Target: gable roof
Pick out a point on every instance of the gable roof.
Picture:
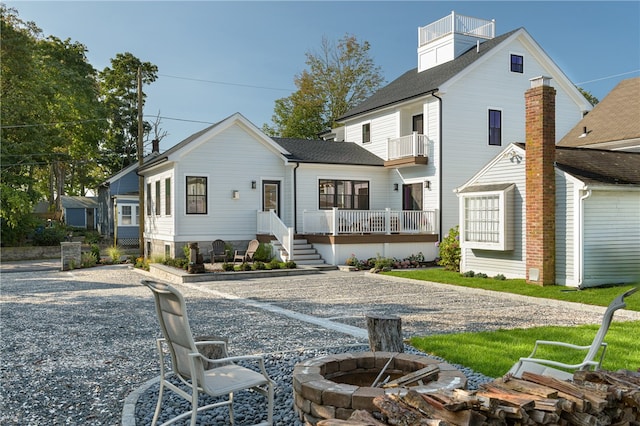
(413, 84)
(615, 118)
(326, 152)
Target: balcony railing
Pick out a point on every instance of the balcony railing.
(413, 145)
(339, 222)
(456, 24)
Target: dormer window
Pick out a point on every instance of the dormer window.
(517, 63)
(366, 133)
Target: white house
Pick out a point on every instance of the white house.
(439, 123)
(551, 214)
(387, 190)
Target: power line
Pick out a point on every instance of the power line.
(225, 83)
(608, 77)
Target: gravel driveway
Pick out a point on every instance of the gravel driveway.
(74, 344)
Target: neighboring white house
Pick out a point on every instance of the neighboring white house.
(387, 190)
(439, 123)
(593, 220)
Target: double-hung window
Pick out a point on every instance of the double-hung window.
(344, 194)
(517, 63)
(495, 127)
(148, 199)
(128, 215)
(196, 195)
(167, 196)
(157, 199)
(366, 133)
(486, 217)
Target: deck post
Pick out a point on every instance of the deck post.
(334, 221)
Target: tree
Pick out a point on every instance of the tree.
(592, 99)
(119, 89)
(339, 77)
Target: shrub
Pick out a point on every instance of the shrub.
(142, 263)
(259, 266)
(228, 267)
(450, 250)
(290, 264)
(95, 252)
(481, 275)
(92, 237)
(87, 260)
(274, 264)
(180, 263)
(114, 253)
(352, 261)
(500, 277)
(263, 254)
(245, 267)
(49, 236)
(383, 262)
(469, 274)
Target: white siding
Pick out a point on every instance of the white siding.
(160, 226)
(230, 161)
(384, 125)
(308, 176)
(509, 263)
(611, 238)
(565, 230)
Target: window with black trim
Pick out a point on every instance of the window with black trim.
(344, 194)
(157, 200)
(148, 197)
(167, 196)
(495, 127)
(366, 133)
(196, 195)
(517, 63)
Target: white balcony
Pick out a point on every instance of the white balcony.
(341, 222)
(458, 24)
(407, 150)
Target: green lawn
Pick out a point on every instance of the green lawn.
(493, 353)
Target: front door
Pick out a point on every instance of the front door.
(412, 196)
(271, 196)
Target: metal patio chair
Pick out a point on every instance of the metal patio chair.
(551, 368)
(188, 364)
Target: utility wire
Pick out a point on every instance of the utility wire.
(608, 77)
(226, 83)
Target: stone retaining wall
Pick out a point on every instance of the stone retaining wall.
(9, 254)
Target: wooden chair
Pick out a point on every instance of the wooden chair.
(550, 367)
(247, 255)
(218, 251)
(188, 364)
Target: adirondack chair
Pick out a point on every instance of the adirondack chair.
(188, 364)
(546, 367)
(218, 251)
(247, 255)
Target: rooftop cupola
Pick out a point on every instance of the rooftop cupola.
(446, 39)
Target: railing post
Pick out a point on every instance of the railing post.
(387, 221)
(334, 221)
(414, 143)
(290, 241)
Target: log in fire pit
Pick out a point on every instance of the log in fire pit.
(333, 386)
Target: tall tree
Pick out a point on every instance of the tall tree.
(338, 78)
(120, 97)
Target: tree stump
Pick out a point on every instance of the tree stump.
(385, 333)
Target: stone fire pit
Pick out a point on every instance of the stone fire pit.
(333, 386)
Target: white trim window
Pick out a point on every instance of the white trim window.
(128, 215)
(486, 217)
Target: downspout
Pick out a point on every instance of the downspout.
(440, 164)
(295, 198)
(580, 251)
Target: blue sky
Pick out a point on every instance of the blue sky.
(216, 58)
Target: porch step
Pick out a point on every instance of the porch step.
(303, 253)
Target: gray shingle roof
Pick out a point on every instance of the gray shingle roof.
(76, 202)
(599, 166)
(413, 84)
(323, 152)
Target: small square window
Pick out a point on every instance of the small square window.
(366, 133)
(517, 63)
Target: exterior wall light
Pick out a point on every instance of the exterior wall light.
(236, 194)
(395, 186)
(253, 184)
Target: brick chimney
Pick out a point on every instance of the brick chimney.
(155, 146)
(540, 101)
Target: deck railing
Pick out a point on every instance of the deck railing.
(269, 223)
(413, 145)
(387, 221)
(456, 24)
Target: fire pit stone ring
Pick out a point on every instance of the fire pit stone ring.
(333, 386)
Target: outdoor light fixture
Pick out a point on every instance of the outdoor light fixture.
(236, 194)
(427, 184)
(253, 184)
(395, 186)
